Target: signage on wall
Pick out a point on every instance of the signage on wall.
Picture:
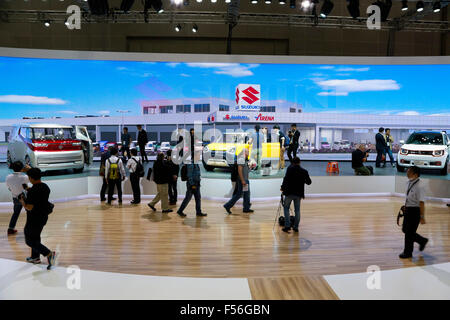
(211, 119)
(234, 117)
(261, 117)
(248, 97)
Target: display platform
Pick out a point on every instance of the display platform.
(217, 184)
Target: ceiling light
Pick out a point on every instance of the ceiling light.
(437, 6)
(47, 23)
(327, 6)
(292, 4)
(282, 2)
(306, 4)
(353, 8)
(194, 28)
(419, 6)
(178, 28)
(404, 5)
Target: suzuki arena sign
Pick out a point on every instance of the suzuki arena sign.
(248, 97)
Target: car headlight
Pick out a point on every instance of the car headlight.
(232, 150)
(404, 151)
(438, 153)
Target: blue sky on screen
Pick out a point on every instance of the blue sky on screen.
(44, 87)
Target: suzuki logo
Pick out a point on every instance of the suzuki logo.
(250, 95)
(227, 117)
(237, 95)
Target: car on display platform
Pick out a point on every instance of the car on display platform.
(425, 149)
(164, 147)
(325, 145)
(50, 146)
(150, 147)
(221, 154)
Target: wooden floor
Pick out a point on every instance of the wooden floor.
(336, 236)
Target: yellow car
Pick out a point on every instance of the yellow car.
(222, 154)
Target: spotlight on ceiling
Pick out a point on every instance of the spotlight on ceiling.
(213, 1)
(437, 6)
(126, 5)
(47, 23)
(282, 2)
(178, 28)
(419, 6)
(227, 1)
(98, 7)
(305, 4)
(254, 1)
(194, 28)
(267, 1)
(327, 6)
(353, 8)
(385, 7)
(199, 1)
(292, 4)
(404, 5)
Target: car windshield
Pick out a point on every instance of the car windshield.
(52, 134)
(425, 138)
(235, 137)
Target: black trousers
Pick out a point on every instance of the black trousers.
(173, 192)
(292, 151)
(134, 180)
(114, 183)
(143, 153)
(15, 216)
(411, 222)
(127, 150)
(103, 190)
(32, 231)
(380, 153)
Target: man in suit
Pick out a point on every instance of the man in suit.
(142, 141)
(389, 143)
(293, 189)
(381, 147)
(293, 143)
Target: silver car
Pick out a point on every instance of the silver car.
(50, 146)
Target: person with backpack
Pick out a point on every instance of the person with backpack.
(293, 188)
(36, 203)
(136, 169)
(115, 174)
(191, 174)
(161, 173)
(173, 179)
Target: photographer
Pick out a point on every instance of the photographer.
(359, 156)
(16, 183)
(293, 188)
(38, 208)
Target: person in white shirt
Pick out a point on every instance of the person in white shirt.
(114, 174)
(16, 183)
(414, 213)
(134, 176)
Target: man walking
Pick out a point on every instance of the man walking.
(16, 182)
(142, 141)
(38, 208)
(242, 184)
(381, 147)
(192, 188)
(161, 176)
(293, 143)
(414, 213)
(173, 178)
(293, 188)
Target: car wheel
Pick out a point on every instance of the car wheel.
(79, 170)
(207, 168)
(8, 160)
(444, 169)
(400, 168)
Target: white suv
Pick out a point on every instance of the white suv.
(425, 149)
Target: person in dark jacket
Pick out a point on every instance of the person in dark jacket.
(293, 188)
(142, 141)
(161, 173)
(293, 143)
(381, 147)
(173, 179)
(105, 156)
